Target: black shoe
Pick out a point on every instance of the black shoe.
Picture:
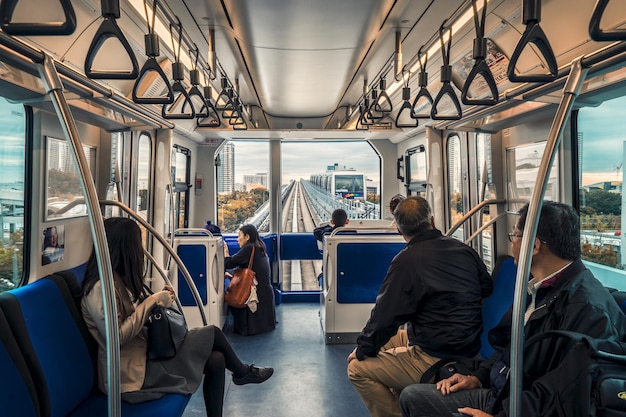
(256, 375)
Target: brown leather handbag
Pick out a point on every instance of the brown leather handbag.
(241, 284)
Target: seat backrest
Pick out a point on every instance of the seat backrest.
(499, 301)
(17, 390)
(46, 324)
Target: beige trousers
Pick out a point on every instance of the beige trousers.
(379, 380)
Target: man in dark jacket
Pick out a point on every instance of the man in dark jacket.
(436, 284)
(563, 295)
(338, 218)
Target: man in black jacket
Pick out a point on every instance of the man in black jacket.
(436, 284)
(338, 218)
(563, 295)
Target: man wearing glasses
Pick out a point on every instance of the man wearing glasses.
(562, 295)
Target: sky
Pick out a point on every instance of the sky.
(301, 159)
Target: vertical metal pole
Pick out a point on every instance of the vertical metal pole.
(571, 90)
(50, 77)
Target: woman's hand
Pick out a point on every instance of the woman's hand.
(164, 298)
(458, 382)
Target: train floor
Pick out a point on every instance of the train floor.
(309, 377)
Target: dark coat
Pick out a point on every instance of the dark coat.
(264, 319)
(577, 302)
(436, 284)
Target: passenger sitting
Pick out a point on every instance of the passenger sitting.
(393, 203)
(204, 351)
(435, 283)
(338, 218)
(213, 228)
(563, 295)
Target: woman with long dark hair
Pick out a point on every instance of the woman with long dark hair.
(259, 317)
(205, 351)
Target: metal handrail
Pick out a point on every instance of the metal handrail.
(473, 211)
(170, 250)
(484, 226)
(571, 90)
(54, 87)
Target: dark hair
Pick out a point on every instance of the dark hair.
(255, 239)
(339, 217)
(126, 251)
(413, 216)
(559, 229)
(395, 200)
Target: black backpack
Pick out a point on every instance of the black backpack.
(585, 377)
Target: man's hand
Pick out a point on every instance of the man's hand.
(457, 382)
(473, 412)
(352, 356)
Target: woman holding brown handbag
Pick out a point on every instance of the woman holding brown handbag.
(263, 319)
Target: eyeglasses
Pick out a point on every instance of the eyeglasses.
(514, 235)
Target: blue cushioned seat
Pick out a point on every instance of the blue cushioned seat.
(59, 352)
(499, 301)
(17, 390)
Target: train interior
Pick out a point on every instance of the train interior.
(148, 109)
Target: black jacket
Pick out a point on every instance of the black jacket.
(577, 302)
(436, 284)
(320, 232)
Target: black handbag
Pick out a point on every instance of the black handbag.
(167, 330)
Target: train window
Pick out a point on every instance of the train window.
(64, 193)
(416, 170)
(522, 169)
(12, 158)
(455, 184)
(484, 174)
(317, 179)
(601, 151)
(242, 185)
(116, 174)
(182, 178)
(142, 175)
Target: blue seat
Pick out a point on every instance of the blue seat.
(60, 353)
(17, 390)
(499, 301)
(299, 246)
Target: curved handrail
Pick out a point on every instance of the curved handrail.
(54, 88)
(110, 29)
(161, 272)
(353, 231)
(571, 90)
(446, 77)
(598, 34)
(168, 248)
(484, 226)
(533, 34)
(7, 7)
(473, 211)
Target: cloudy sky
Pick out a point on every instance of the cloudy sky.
(300, 160)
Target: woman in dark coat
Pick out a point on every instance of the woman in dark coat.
(263, 319)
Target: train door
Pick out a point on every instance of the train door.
(181, 181)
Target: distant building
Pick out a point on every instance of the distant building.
(610, 186)
(258, 180)
(226, 169)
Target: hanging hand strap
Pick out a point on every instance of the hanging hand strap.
(446, 76)
(423, 91)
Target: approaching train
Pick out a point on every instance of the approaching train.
(179, 112)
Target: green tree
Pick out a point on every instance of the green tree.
(602, 202)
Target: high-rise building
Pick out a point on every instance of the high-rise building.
(255, 181)
(226, 169)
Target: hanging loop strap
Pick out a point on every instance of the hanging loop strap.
(446, 76)
(598, 34)
(423, 92)
(533, 34)
(175, 49)
(7, 7)
(403, 120)
(151, 65)
(110, 29)
(480, 67)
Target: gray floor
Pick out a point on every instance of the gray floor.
(309, 379)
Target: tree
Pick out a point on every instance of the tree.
(603, 202)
